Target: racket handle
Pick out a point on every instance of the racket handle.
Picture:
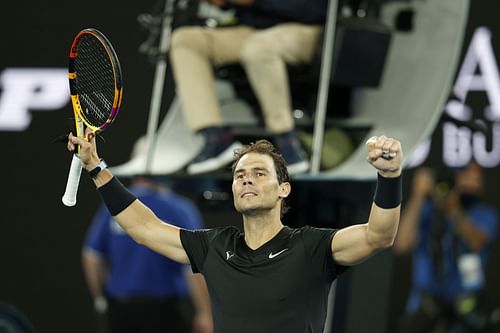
(69, 197)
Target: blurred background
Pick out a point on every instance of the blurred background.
(445, 112)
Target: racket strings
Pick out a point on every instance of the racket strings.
(95, 80)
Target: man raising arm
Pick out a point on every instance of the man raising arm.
(268, 278)
(134, 217)
(356, 243)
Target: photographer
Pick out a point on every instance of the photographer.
(450, 230)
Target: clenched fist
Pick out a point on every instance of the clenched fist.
(385, 154)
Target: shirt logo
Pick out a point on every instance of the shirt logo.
(229, 255)
(272, 255)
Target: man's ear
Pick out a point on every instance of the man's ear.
(285, 189)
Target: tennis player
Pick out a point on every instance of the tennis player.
(269, 278)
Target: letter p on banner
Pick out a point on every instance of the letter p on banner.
(25, 89)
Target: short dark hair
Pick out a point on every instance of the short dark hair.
(265, 147)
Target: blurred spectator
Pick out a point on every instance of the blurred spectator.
(269, 34)
(450, 231)
(138, 289)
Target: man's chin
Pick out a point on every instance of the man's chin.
(251, 210)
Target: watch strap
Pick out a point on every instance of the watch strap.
(95, 171)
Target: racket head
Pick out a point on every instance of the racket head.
(95, 79)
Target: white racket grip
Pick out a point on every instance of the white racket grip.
(69, 197)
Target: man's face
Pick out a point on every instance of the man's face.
(255, 185)
(469, 180)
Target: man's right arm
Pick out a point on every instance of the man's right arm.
(135, 218)
(146, 228)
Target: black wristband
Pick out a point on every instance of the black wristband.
(389, 192)
(116, 196)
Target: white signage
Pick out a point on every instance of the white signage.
(30, 89)
(461, 144)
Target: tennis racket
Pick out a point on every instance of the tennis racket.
(95, 82)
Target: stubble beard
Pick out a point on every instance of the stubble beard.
(254, 211)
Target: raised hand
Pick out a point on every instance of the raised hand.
(88, 150)
(385, 154)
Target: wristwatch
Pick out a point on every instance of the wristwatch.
(95, 171)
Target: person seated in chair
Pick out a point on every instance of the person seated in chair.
(270, 34)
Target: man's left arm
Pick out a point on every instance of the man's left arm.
(356, 243)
